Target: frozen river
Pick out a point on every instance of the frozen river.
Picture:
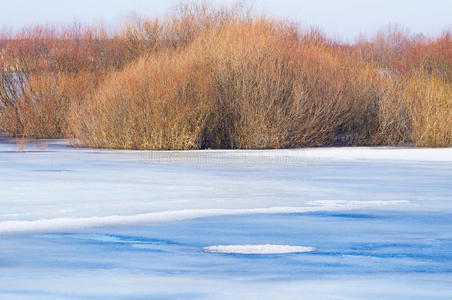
(336, 223)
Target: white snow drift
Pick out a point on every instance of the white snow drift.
(258, 249)
(62, 224)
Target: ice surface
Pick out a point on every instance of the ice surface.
(54, 181)
(102, 224)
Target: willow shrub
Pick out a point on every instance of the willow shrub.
(249, 84)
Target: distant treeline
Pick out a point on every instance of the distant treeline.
(223, 77)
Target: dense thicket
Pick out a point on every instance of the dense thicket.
(207, 77)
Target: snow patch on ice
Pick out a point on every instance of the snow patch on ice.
(333, 153)
(63, 224)
(258, 249)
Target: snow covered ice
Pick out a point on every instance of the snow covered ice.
(257, 249)
(331, 223)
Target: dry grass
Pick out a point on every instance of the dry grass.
(207, 77)
(429, 105)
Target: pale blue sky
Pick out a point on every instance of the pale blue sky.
(342, 18)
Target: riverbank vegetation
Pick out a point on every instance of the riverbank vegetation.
(223, 77)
